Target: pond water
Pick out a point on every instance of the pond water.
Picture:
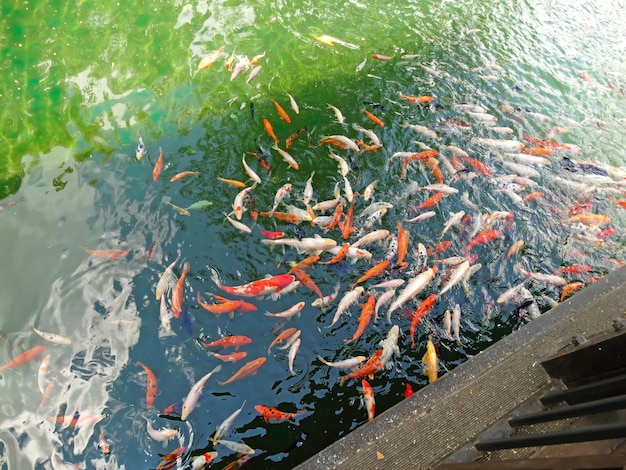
(82, 82)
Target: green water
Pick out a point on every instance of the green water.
(81, 81)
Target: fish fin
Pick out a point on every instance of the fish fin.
(371, 376)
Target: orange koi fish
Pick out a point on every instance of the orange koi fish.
(270, 130)
(618, 202)
(382, 57)
(573, 269)
(262, 160)
(477, 165)
(229, 341)
(250, 368)
(177, 294)
(347, 227)
(368, 369)
(368, 396)
(433, 165)
(284, 216)
(158, 166)
(433, 201)
(306, 280)
(111, 254)
(420, 156)
(368, 148)
(483, 237)
(403, 246)
(341, 254)
(151, 387)
(210, 59)
(305, 263)
(226, 306)
(515, 248)
(366, 314)
(372, 272)
(590, 219)
(533, 195)
(569, 288)
(536, 151)
(281, 112)
(183, 174)
(237, 184)
(27, 356)
(373, 118)
(422, 310)
(234, 357)
(283, 335)
(169, 460)
(417, 99)
(273, 284)
(274, 413)
(336, 216)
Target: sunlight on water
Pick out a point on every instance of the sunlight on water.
(80, 90)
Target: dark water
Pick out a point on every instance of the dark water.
(78, 89)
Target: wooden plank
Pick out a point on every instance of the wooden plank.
(614, 461)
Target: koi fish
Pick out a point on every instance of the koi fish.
(169, 460)
(141, 149)
(161, 435)
(457, 274)
(345, 364)
(270, 130)
(569, 288)
(432, 201)
(111, 254)
(419, 313)
(178, 209)
(515, 248)
(374, 118)
(368, 395)
(267, 412)
(229, 341)
(199, 205)
(183, 174)
(250, 368)
(429, 359)
(341, 254)
(483, 237)
(290, 312)
(573, 269)
(372, 366)
(151, 387)
(293, 350)
(226, 306)
(251, 173)
(239, 225)
(253, 73)
(210, 58)
(417, 99)
(589, 219)
(237, 184)
(177, 294)
(312, 245)
(223, 428)
(53, 338)
(288, 158)
(271, 235)
(103, 445)
(189, 403)
(292, 138)
(282, 192)
(47, 393)
(26, 356)
(164, 280)
(364, 319)
(382, 57)
(239, 447)
(372, 272)
(328, 299)
(43, 372)
(307, 281)
(293, 103)
(284, 216)
(238, 207)
(348, 299)
(338, 116)
(201, 461)
(282, 336)
(340, 141)
(281, 112)
(414, 287)
(408, 390)
(156, 172)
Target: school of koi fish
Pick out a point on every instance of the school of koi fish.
(396, 258)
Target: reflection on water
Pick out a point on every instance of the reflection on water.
(143, 80)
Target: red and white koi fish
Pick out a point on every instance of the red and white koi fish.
(368, 395)
(327, 299)
(551, 279)
(238, 207)
(250, 368)
(290, 312)
(414, 287)
(194, 394)
(201, 461)
(340, 141)
(177, 294)
(281, 194)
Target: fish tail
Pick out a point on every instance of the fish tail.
(215, 276)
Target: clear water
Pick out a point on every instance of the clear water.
(81, 81)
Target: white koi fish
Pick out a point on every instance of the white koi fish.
(348, 299)
(238, 225)
(421, 217)
(166, 280)
(455, 218)
(194, 394)
(414, 287)
(347, 142)
(52, 337)
(384, 298)
(43, 373)
(390, 346)
(291, 340)
(447, 323)
(459, 273)
(389, 284)
(253, 73)
(281, 194)
(141, 149)
(238, 447)
(223, 428)
(165, 316)
(338, 116)
(368, 192)
(307, 195)
(293, 103)
(371, 237)
(353, 254)
(543, 278)
(372, 136)
(161, 435)
(290, 312)
(285, 290)
(440, 188)
(501, 145)
(345, 364)
(288, 158)
(312, 246)
(251, 173)
(425, 131)
(293, 350)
